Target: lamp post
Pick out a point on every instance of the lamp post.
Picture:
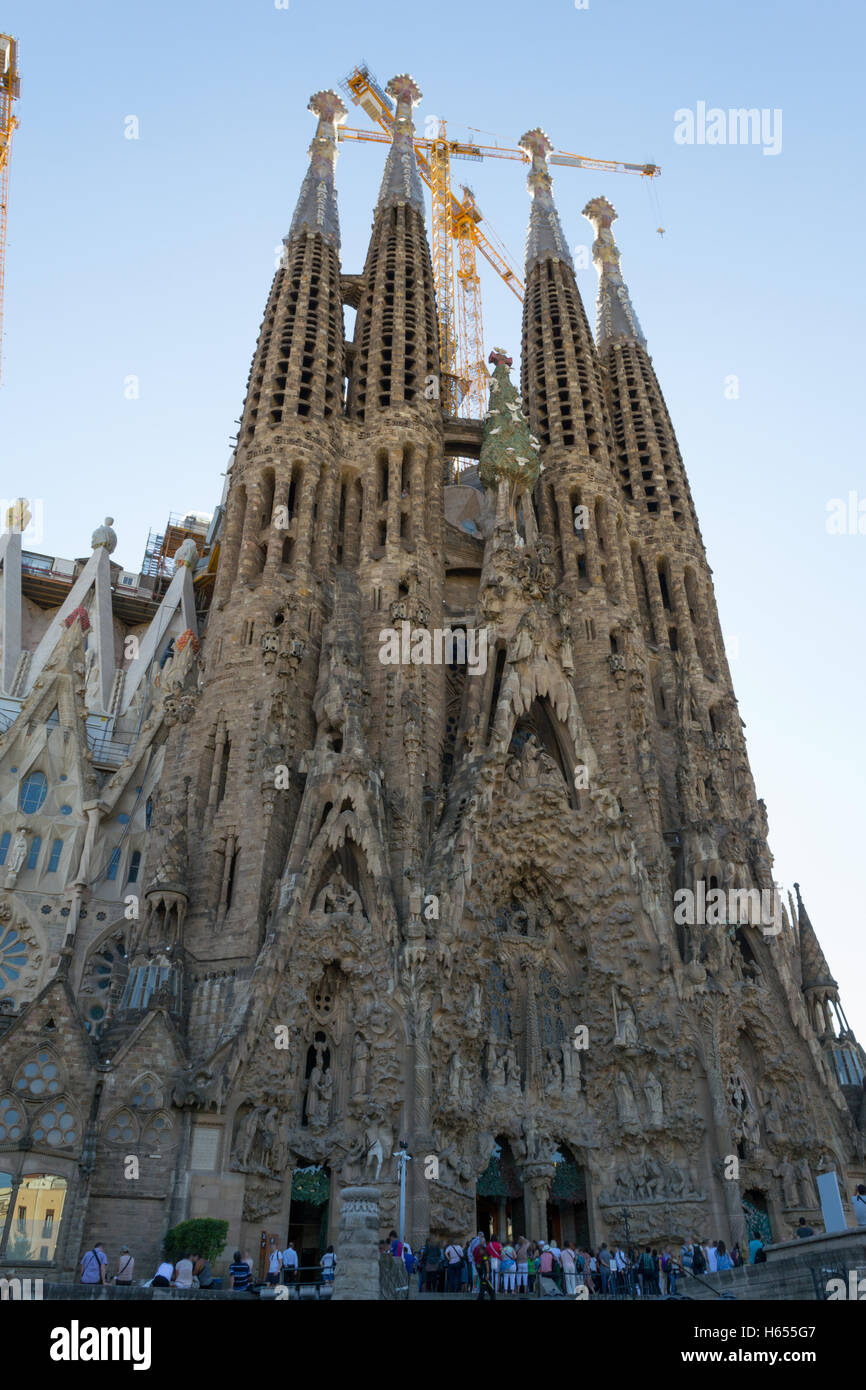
(403, 1157)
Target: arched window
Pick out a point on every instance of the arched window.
(148, 812)
(40, 1075)
(134, 866)
(34, 790)
(55, 1125)
(54, 861)
(113, 863)
(35, 847)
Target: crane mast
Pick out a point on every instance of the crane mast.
(10, 88)
(458, 294)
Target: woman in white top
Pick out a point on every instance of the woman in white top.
(183, 1273)
(328, 1263)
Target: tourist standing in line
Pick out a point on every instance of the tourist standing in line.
(328, 1263)
(481, 1257)
(508, 1267)
(240, 1273)
(290, 1263)
(125, 1266)
(723, 1259)
(604, 1268)
(494, 1250)
(521, 1255)
(712, 1257)
(93, 1264)
(858, 1204)
(454, 1258)
(470, 1251)
(569, 1275)
(275, 1264)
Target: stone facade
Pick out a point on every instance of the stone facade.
(433, 902)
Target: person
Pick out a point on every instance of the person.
(93, 1264)
(125, 1266)
(566, 1259)
(164, 1275)
(534, 1265)
(545, 1262)
(202, 1272)
(183, 1273)
(649, 1278)
(760, 1255)
(521, 1255)
(687, 1252)
(494, 1249)
(290, 1263)
(240, 1273)
(858, 1204)
(329, 1265)
(699, 1259)
(723, 1259)
(431, 1261)
(604, 1268)
(737, 1256)
(508, 1266)
(275, 1264)
(454, 1259)
(481, 1257)
(803, 1231)
(470, 1251)
(755, 1244)
(712, 1257)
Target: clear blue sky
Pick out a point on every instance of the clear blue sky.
(153, 257)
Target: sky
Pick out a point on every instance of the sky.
(151, 258)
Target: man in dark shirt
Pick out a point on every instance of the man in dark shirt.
(803, 1231)
(481, 1256)
(239, 1273)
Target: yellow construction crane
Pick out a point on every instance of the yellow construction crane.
(10, 88)
(461, 350)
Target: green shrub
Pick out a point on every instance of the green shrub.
(204, 1236)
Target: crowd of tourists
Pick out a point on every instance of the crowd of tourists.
(487, 1266)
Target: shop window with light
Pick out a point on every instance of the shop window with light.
(34, 790)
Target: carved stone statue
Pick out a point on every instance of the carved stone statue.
(625, 1101)
(360, 1064)
(626, 1024)
(319, 1091)
(17, 852)
(339, 897)
(653, 1092)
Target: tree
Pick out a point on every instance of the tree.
(203, 1236)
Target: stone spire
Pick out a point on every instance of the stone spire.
(815, 970)
(401, 182)
(616, 317)
(544, 236)
(317, 204)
